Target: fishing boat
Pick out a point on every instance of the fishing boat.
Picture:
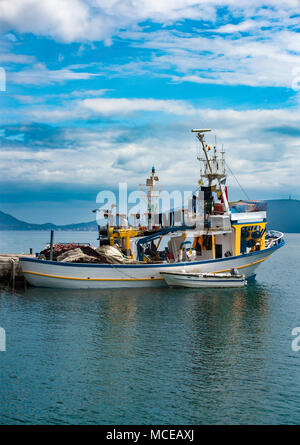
(199, 280)
(209, 235)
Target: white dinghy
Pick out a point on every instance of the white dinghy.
(195, 280)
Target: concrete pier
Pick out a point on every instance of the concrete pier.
(10, 269)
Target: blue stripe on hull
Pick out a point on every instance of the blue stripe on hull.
(128, 266)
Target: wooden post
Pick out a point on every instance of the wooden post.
(51, 244)
(13, 273)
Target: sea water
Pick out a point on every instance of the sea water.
(152, 356)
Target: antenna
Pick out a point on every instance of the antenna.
(199, 131)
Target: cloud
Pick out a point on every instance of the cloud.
(100, 136)
(40, 75)
(247, 25)
(16, 58)
(262, 148)
(94, 20)
(29, 99)
(121, 106)
(86, 93)
(266, 58)
(72, 109)
(7, 56)
(256, 44)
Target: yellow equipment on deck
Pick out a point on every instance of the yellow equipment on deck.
(124, 236)
(237, 235)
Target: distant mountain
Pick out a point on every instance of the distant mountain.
(9, 222)
(283, 215)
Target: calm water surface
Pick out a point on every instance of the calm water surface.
(145, 356)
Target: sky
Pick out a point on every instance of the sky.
(95, 92)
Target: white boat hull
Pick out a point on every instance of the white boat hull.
(194, 281)
(43, 273)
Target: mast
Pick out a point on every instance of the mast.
(213, 167)
(200, 136)
(151, 196)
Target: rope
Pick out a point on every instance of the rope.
(237, 181)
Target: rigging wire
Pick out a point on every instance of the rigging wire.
(243, 190)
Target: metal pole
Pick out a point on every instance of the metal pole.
(51, 244)
(99, 235)
(200, 137)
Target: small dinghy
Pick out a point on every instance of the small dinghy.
(191, 279)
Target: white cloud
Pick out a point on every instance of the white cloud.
(16, 58)
(121, 106)
(91, 20)
(261, 148)
(28, 99)
(86, 93)
(39, 74)
(259, 48)
(247, 25)
(261, 59)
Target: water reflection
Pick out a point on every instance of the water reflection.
(138, 355)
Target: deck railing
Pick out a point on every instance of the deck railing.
(273, 238)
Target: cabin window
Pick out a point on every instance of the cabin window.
(218, 251)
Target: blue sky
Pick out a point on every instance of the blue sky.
(99, 91)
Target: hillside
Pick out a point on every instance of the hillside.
(283, 215)
(9, 222)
